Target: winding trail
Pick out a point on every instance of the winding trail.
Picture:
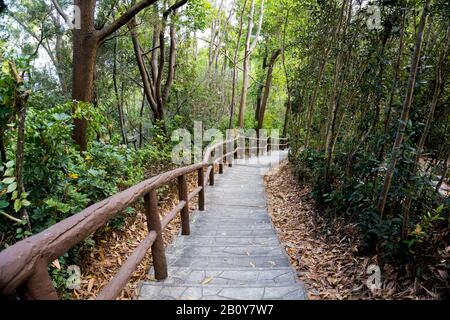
(233, 251)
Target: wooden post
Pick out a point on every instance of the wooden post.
(154, 223)
(257, 145)
(39, 286)
(220, 168)
(230, 157)
(268, 145)
(201, 195)
(211, 176)
(183, 196)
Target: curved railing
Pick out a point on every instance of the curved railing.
(24, 265)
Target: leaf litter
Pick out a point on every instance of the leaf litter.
(324, 253)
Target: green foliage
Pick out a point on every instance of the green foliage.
(198, 14)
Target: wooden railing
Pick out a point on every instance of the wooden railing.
(24, 266)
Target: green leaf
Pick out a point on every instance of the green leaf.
(12, 187)
(9, 180)
(26, 203)
(14, 195)
(3, 204)
(10, 164)
(17, 205)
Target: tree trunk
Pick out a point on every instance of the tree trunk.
(312, 102)
(118, 99)
(20, 106)
(247, 53)
(260, 88)
(234, 80)
(85, 46)
(265, 97)
(398, 65)
(436, 94)
(148, 90)
(86, 41)
(405, 112)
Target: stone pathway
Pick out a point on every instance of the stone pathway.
(233, 251)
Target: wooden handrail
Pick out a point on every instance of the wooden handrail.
(24, 265)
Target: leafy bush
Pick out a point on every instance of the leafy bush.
(356, 196)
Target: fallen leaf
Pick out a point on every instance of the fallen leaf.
(207, 280)
(90, 284)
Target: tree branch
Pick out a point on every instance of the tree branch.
(173, 8)
(258, 31)
(61, 11)
(124, 18)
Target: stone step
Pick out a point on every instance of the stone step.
(200, 219)
(161, 291)
(226, 262)
(229, 216)
(211, 251)
(235, 201)
(233, 233)
(226, 241)
(241, 210)
(233, 277)
(235, 193)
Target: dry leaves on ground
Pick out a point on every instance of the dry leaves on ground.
(324, 253)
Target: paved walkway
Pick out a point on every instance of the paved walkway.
(233, 251)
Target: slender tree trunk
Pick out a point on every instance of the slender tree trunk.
(249, 47)
(143, 71)
(436, 94)
(286, 74)
(265, 97)
(141, 122)
(20, 106)
(118, 99)
(398, 65)
(234, 80)
(322, 64)
(260, 88)
(405, 112)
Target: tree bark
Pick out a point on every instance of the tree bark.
(234, 80)
(312, 102)
(20, 107)
(86, 42)
(405, 112)
(118, 99)
(436, 94)
(398, 65)
(265, 97)
(249, 47)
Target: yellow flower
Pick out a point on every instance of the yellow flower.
(73, 176)
(88, 158)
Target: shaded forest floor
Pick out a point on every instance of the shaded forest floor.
(324, 252)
